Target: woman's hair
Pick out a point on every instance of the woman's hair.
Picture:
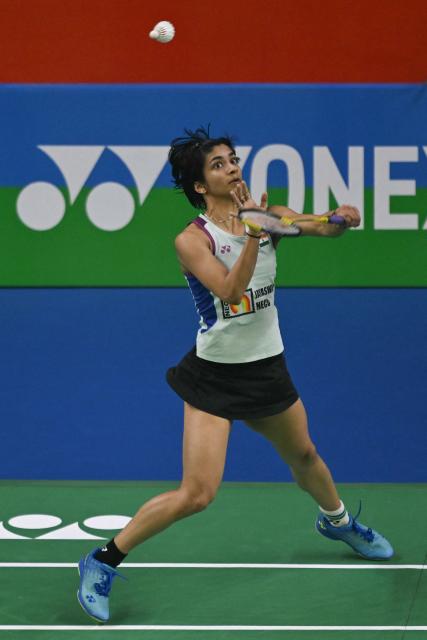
(187, 157)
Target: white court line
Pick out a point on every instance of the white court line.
(167, 627)
(212, 565)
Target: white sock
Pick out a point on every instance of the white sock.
(337, 518)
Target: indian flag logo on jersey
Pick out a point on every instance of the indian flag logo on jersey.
(246, 306)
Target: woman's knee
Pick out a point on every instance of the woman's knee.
(196, 499)
(305, 457)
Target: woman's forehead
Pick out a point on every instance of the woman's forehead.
(220, 150)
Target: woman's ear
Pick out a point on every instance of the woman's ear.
(199, 188)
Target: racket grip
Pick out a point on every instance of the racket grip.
(334, 219)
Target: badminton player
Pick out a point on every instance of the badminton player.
(236, 371)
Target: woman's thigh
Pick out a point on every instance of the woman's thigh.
(204, 449)
(287, 431)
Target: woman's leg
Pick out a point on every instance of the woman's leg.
(288, 432)
(204, 451)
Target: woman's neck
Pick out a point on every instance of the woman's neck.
(228, 221)
(220, 210)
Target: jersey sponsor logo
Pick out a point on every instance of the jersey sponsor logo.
(245, 307)
(265, 293)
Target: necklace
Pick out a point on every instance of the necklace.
(219, 220)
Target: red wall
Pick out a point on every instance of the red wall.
(234, 41)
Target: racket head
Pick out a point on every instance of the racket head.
(268, 222)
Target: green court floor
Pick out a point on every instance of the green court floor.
(305, 583)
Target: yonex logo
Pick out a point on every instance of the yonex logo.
(28, 526)
(110, 206)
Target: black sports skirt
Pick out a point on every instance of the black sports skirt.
(241, 391)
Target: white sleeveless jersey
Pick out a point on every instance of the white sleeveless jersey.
(237, 333)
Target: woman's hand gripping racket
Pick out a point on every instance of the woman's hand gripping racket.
(286, 226)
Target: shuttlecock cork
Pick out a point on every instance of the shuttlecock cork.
(164, 31)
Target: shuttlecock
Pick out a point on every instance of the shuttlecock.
(163, 32)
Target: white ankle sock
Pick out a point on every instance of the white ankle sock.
(339, 517)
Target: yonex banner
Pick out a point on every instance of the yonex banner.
(86, 197)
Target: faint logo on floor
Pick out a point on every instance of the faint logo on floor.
(42, 526)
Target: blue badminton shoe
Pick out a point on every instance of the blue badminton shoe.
(96, 579)
(367, 542)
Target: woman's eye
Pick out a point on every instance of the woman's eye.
(219, 164)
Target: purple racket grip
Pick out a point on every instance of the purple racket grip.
(334, 219)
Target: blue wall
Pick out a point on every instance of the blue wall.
(83, 391)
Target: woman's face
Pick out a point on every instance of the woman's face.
(221, 171)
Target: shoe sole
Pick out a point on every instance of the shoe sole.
(98, 620)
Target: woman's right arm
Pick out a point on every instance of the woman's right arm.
(195, 256)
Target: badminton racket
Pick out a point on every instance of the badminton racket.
(284, 226)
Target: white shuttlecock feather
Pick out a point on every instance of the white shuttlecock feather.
(164, 31)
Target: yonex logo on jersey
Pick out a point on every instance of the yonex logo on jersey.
(245, 307)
